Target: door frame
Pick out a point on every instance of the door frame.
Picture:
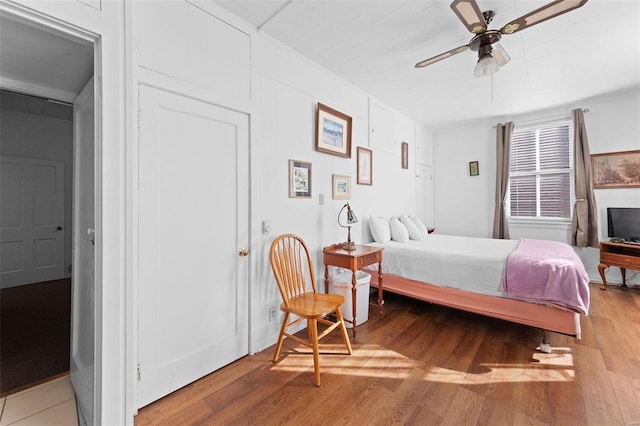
(56, 26)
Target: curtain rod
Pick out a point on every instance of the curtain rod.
(545, 119)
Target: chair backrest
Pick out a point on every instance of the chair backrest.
(292, 266)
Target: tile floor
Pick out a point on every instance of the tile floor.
(51, 403)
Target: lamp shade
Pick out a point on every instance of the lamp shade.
(501, 55)
(486, 65)
(351, 216)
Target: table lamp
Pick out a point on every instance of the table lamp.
(351, 219)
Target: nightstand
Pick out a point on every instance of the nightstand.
(354, 260)
(624, 256)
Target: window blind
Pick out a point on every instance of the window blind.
(541, 171)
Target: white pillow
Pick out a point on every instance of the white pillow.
(399, 232)
(379, 229)
(414, 232)
(420, 225)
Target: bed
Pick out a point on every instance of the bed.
(533, 282)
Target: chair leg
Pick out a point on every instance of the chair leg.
(285, 321)
(343, 328)
(312, 324)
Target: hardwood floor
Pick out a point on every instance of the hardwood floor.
(426, 364)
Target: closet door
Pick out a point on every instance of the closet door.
(424, 193)
(31, 220)
(192, 225)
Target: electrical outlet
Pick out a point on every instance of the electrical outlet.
(272, 313)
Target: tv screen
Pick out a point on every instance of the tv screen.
(624, 222)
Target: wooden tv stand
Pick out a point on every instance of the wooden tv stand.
(624, 256)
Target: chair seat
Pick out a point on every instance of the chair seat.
(313, 305)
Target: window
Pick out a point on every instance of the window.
(541, 171)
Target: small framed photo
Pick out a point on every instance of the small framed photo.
(333, 131)
(616, 170)
(473, 168)
(341, 187)
(405, 155)
(365, 166)
(299, 179)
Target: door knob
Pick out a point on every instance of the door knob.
(58, 228)
(243, 252)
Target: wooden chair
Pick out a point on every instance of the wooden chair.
(294, 273)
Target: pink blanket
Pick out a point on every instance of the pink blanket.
(547, 272)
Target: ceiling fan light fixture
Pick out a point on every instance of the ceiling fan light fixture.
(500, 54)
(491, 56)
(487, 65)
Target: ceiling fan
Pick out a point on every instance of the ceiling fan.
(491, 56)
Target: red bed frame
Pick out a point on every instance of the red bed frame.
(536, 315)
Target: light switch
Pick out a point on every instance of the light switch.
(266, 226)
(321, 199)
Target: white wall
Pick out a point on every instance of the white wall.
(287, 90)
(49, 138)
(465, 205)
(284, 89)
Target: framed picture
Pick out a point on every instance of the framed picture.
(616, 170)
(333, 131)
(341, 187)
(365, 166)
(299, 179)
(473, 168)
(405, 155)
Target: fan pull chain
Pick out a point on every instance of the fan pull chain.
(491, 88)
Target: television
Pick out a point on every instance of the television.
(624, 222)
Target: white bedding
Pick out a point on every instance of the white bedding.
(472, 264)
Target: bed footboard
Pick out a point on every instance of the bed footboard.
(536, 315)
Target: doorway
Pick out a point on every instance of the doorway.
(36, 157)
(424, 193)
(38, 62)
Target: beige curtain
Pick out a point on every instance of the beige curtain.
(503, 159)
(584, 226)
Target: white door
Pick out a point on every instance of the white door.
(31, 220)
(83, 290)
(192, 221)
(424, 196)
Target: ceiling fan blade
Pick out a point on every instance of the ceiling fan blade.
(470, 15)
(441, 56)
(548, 11)
(501, 56)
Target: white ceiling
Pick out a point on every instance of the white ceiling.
(42, 62)
(375, 44)
(584, 53)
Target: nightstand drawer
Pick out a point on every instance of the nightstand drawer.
(369, 259)
(621, 260)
